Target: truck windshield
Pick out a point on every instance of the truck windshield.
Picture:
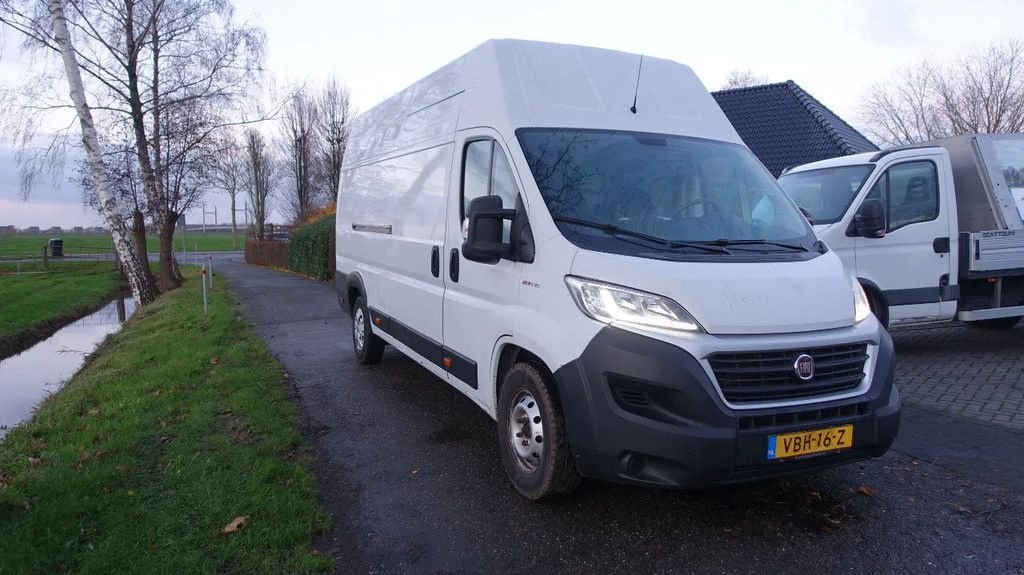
(826, 193)
(675, 189)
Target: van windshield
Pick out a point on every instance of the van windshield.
(827, 193)
(672, 189)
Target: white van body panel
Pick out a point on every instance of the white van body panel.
(738, 298)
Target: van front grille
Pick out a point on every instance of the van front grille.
(751, 377)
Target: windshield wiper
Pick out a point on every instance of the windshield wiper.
(725, 242)
(613, 229)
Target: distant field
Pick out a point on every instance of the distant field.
(29, 245)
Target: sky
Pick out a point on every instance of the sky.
(835, 50)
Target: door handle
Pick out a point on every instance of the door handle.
(435, 261)
(453, 265)
(941, 245)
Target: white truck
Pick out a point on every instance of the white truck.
(933, 231)
(578, 241)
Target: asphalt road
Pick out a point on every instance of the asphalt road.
(409, 471)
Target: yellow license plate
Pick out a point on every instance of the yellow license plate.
(808, 442)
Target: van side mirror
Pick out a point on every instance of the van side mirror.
(486, 220)
(869, 221)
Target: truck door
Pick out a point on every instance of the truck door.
(911, 263)
(480, 298)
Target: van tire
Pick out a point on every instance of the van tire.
(998, 323)
(555, 473)
(369, 348)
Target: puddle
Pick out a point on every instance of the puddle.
(27, 378)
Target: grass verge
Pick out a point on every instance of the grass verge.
(178, 424)
(34, 305)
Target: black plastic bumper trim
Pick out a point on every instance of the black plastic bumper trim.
(639, 410)
(460, 366)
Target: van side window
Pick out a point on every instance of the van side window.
(910, 193)
(476, 172)
(486, 171)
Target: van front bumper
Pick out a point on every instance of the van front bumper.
(639, 410)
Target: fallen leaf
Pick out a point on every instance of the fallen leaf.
(963, 509)
(214, 361)
(236, 524)
(867, 490)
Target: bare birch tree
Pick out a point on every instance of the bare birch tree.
(142, 292)
(125, 183)
(260, 178)
(981, 92)
(300, 128)
(335, 110)
(228, 176)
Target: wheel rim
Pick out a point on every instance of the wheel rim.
(526, 431)
(359, 329)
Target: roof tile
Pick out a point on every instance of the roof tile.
(785, 126)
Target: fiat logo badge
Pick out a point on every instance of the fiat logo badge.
(804, 367)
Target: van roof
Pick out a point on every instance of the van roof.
(511, 84)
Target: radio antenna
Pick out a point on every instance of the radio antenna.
(636, 90)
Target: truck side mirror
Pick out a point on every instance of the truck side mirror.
(869, 221)
(486, 221)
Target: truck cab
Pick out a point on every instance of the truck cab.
(932, 232)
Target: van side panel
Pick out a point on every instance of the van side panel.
(365, 210)
(414, 296)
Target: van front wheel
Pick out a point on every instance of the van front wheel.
(531, 435)
(369, 348)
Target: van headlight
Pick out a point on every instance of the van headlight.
(861, 305)
(609, 303)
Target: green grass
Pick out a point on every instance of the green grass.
(178, 425)
(30, 299)
(29, 245)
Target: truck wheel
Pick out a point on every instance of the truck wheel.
(998, 323)
(369, 348)
(531, 435)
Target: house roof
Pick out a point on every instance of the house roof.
(785, 126)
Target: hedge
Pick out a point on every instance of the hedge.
(312, 249)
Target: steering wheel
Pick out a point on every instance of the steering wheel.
(703, 201)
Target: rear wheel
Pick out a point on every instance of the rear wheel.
(531, 435)
(369, 348)
(998, 323)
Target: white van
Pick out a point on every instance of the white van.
(934, 231)
(578, 241)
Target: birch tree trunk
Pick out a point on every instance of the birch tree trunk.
(142, 289)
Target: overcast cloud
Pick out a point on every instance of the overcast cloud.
(834, 50)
